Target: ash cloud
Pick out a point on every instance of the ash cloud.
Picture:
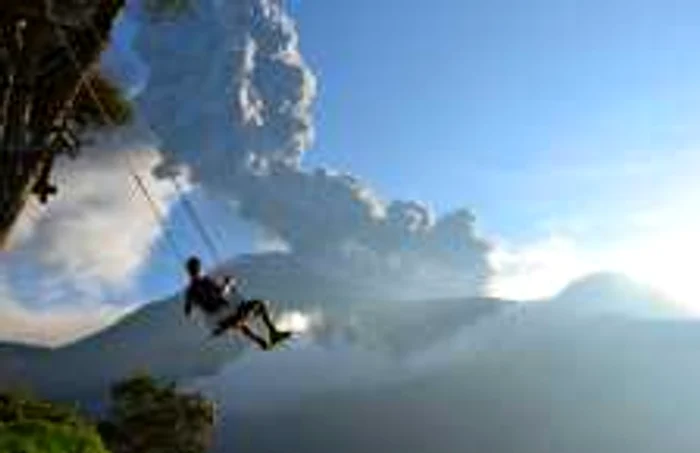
(230, 97)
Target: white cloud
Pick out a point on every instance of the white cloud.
(268, 242)
(51, 327)
(88, 242)
(100, 206)
(54, 327)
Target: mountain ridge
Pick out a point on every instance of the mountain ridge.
(157, 338)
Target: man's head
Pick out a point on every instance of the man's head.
(193, 266)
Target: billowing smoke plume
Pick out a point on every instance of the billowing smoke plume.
(230, 97)
(227, 87)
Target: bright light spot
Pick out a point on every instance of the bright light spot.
(666, 262)
(296, 321)
(663, 260)
(538, 270)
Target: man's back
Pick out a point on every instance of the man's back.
(206, 294)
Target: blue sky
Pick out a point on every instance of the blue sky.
(525, 111)
(569, 127)
(554, 121)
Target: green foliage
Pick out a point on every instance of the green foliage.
(151, 417)
(30, 426)
(43, 437)
(146, 417)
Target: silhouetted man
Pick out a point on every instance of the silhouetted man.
(211, 297)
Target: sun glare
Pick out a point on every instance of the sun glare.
(665, 262)
(296, 321)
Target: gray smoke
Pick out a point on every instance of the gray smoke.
(227, 87)
(230, 97)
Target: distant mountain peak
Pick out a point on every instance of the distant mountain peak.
(608, 282)
(616, 293)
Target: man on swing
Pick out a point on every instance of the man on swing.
(210, 297)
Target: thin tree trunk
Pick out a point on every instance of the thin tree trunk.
(15, 174)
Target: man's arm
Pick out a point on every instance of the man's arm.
(228, 284)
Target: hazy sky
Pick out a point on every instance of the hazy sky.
(532, 113)
(568, 127)
(565, 122)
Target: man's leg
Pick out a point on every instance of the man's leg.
(259, 308)
(228, 322)
(253, 336)
(236, 323)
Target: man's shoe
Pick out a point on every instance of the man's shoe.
(277, 336)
